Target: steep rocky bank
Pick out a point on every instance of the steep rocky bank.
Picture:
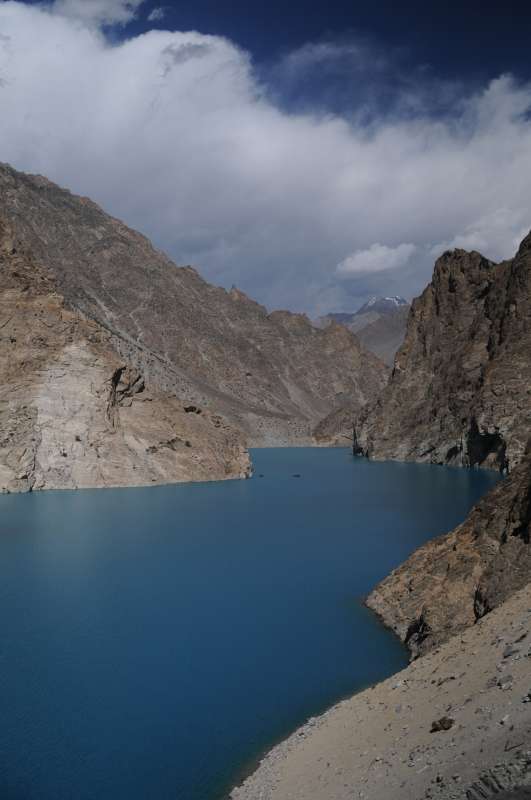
(74, 413)
(451, 582)
(273, 376)
(460, 391)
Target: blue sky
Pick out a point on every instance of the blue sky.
(457, 39)
(312, 154)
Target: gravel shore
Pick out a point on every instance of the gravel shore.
(453, 724)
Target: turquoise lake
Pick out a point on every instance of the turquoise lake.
(154, 642)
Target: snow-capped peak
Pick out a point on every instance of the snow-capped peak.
(383, 305)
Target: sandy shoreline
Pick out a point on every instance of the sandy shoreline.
(378, 744)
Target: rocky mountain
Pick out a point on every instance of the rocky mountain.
(380, 325)
(460, 391)
(74, 413)
(377, 307)
(453, 581)
(270, 377)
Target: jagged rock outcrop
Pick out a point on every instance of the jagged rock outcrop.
(74, 413)
(460, 391)
(454, 580)
(273, 376)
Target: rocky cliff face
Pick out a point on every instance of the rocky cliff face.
(74, 413)
(451, 582)
(460, 392)
(273, 376)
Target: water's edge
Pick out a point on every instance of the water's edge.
(318, 718)
(157, 606)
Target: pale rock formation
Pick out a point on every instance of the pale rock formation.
(74, 414)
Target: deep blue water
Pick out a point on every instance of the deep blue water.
(154, 641)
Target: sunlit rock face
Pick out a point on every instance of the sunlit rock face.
(74, 413)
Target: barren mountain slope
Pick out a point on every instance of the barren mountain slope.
(73, 413)
(273, 375)
(460, 392)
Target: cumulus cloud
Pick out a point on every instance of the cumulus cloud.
(97, 12)
(376, 258)
(496, 233)
(156, 15)
(174, 133)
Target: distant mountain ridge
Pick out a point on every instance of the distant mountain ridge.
(382, 305)
(380, 324)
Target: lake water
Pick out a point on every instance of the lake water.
(155, 641)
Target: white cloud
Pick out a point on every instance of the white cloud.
(173, 133)
(376, 258)
(157, 15)
(497, 233)
(98, 12)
